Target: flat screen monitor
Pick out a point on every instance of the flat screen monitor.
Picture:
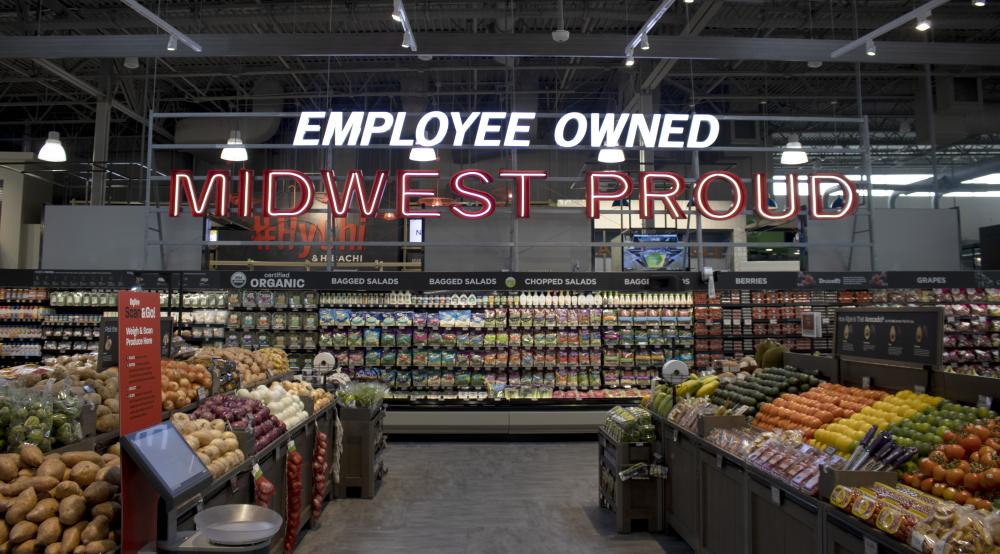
(660, 255)
(165, 457)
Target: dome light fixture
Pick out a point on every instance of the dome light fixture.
(52, 150)
(793, 154)
(423, 154)
(234, 151)
(611, 156)
(923, 22)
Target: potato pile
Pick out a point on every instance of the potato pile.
(300, 388)
(217, 448)
(250, 370)
(80, 371)
(274, 359)
(179, 382)
(59, 503)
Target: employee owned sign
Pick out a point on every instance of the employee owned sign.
(656, 189)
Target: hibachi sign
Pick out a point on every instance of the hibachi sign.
(499, 130)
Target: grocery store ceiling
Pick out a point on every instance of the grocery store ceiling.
(717, 56)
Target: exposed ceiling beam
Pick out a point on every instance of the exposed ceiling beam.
(96, 93)
(889, 26)
(490, 45)
(174, 32)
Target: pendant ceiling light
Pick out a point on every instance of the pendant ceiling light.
(423, 154)
(52, 150)
(234, 152)
(611, 156)
(793, 153)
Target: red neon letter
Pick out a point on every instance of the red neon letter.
(484, 198)
(300, 179)
(701, 195)
(341, 203)
(522, 181)
(246, 193)
(760, 198)
(181, 182)
(595, 196)
(648, 196)
(404, 193)
(816, 196)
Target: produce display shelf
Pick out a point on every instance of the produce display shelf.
(519, 404)
(818, 514)
(860, 529)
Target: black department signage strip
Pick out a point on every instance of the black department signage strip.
(490, 281)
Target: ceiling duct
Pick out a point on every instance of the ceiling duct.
(959, 111)
(268, 97)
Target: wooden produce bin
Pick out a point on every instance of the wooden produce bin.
(681, 494)
(361, 462)
(633, 500)
(723, 504)
(781, 522)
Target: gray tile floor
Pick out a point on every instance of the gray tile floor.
(467, 497)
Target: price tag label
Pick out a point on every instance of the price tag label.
(718, 461)
(866, 382)
(917, 541)
(871, 547)
(202, 393)
(985, 401)
(919, 389)
(776, 496)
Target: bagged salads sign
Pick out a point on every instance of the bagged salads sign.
(656, 189)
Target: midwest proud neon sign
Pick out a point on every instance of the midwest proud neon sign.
(655, 188)
(505, 129)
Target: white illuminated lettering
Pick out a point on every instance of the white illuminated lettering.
(397, 130)
(581, 130)
(606, 129)
(305, 126)
(442, 128)
(713, 131)
(514, 127)
(375, 124)
(486, 126)
(646, 130)
(462, 127)
(341, 133)
(669, 129)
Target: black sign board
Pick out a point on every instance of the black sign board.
(785, 280)
(907, 336)
(107, 345)
(424, 281)
(84, 279)
(932, 279)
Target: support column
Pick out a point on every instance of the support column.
(102, 135)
